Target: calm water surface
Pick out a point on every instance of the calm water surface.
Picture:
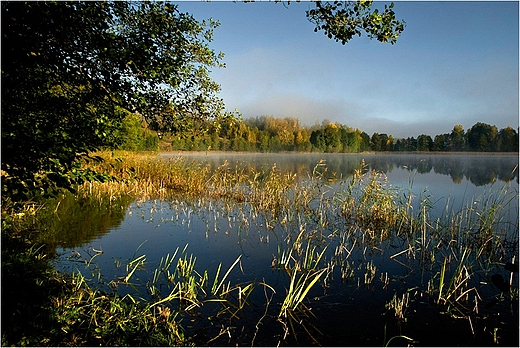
(347, 312)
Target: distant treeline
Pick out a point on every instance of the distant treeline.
(270, 134)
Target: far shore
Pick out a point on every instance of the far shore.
(218, 152)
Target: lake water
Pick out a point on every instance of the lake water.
(344, 312)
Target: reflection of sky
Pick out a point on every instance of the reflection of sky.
(443, 190)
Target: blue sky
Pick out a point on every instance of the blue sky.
(455, 63)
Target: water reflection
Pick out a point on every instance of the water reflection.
(70, 222)
(481, 169)
(366, 267)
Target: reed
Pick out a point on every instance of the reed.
(308, 219)
(454, 284)
(376, 208)
(54, 309)
(399, 306)
(145, 176)
(193, 288)
(304, 270)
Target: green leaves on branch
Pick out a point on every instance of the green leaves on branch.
(73, 70)
(342, 20)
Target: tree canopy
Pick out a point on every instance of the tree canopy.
(72, 71)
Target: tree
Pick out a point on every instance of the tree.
(440, 142)
(318, 140)
(384, 142)
(332, 136)
(134, 137)
(350, 139)
(508, 139)
(399, 145)
(424, 143)
(302, 140)
(389, 146)
(482, 137)
(342, 20)
(457, 138)
(365, 142)
(375, 142)
(71, 70)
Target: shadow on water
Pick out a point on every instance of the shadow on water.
(70, 222)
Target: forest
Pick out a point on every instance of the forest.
(271, 134)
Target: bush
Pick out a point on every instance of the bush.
(137, 138)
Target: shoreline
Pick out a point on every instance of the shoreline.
(436, 153)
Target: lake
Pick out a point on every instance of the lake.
(367, 272)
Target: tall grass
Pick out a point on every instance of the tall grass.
(146, 176)
(320, 228)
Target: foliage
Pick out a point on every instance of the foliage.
(342, 20)
(457, 138)
(271, 134)
(508, 139)
(72, 69)
(482, 137)
(135, 137)
(371, 203)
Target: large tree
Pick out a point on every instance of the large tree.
(71, 71)
(482, 137)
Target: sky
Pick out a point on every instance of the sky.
(455, 63)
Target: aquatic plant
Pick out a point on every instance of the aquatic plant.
(44, 307)
(145, 176)
(323, 230)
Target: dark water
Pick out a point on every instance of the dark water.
(344, 312)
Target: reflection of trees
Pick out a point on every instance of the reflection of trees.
(457, 176)
(482, 172)
(70, 222)
(424, 167)
(478, 169)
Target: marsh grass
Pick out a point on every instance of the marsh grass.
(377, 210)
(145, 176)
(468, 243)
(454, 291)
(319, 229)
(303, 267)
(399, 306)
